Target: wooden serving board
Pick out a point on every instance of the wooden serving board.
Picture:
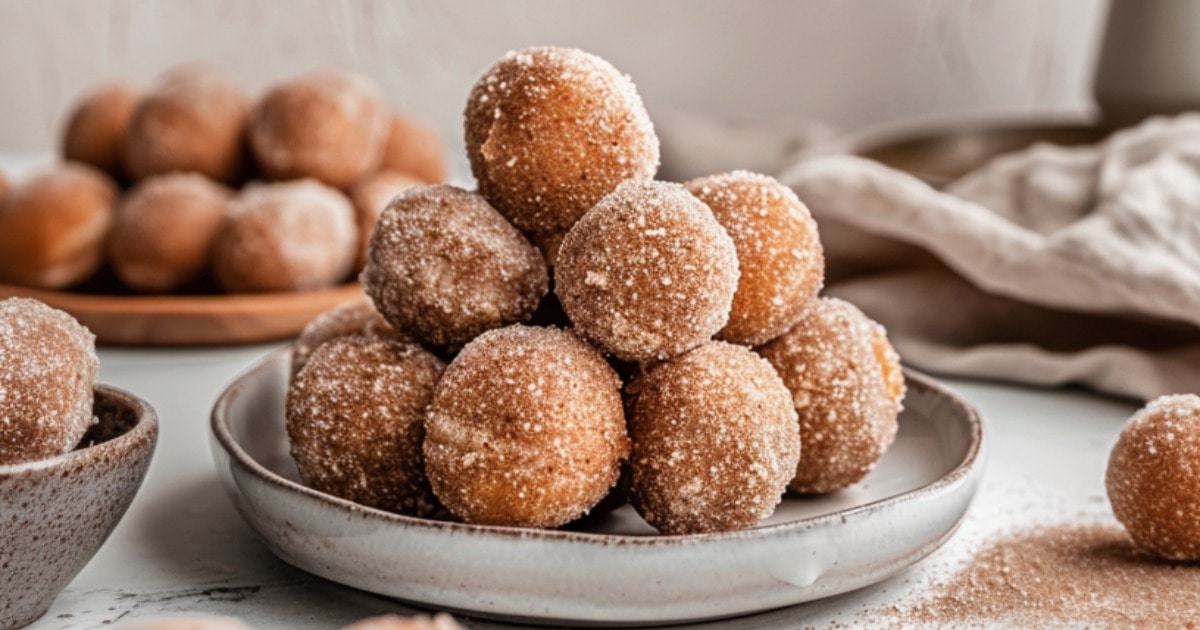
(191, 320)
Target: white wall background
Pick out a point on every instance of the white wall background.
(849, 62)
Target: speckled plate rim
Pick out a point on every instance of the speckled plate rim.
(914, 379)
(956, 487)
(145, 429)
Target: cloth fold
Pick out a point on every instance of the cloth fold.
(1048, 266)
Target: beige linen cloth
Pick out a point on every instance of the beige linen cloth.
(1050, 266)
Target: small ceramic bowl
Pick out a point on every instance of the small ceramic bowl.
(55, 513)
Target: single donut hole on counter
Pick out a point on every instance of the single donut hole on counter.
(442, 253)
(1153, 478)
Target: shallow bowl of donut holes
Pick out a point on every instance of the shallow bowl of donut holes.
(611, 566)
(582, 381)
(189, 211)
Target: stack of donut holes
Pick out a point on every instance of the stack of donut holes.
(191, 186)
(575, 334)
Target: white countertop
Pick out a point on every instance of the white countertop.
(182, 548)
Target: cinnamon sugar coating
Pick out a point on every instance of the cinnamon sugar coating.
(356, 317)
(1153, 477)
(355, 417)
(715, 441)
(290, 236)
(325, 124)
(445, 266)
(53, 226)
(525, 429)
(551, 131)
(48, 368)
(648, 273)
(779, 252)
(164, 231)
(194, 120)
(847, 388)
(414, 147)
(96, 127)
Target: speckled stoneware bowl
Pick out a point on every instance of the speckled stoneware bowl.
(55, 513)
(612, 569)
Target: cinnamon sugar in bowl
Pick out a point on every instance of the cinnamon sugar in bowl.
(55, 513)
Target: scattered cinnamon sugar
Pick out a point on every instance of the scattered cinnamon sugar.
(1066, 575)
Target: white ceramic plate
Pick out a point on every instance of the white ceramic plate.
(614, 569)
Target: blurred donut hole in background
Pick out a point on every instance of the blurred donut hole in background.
(190, 185)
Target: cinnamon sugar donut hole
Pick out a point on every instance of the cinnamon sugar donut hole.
(440, 621)
(715, 441)
(355, 417)
(1153, 478)
(291, 236)
(96, 128)
(193, 119)
(779, 252)
(48, 368)
(413, 146)
(164, 231)
(445, 266)
(525, 429)
(648, 273)
(325, 124)
(53, 226)
(847, 388)
(551, 131)
(356, 317)
(371, 195)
